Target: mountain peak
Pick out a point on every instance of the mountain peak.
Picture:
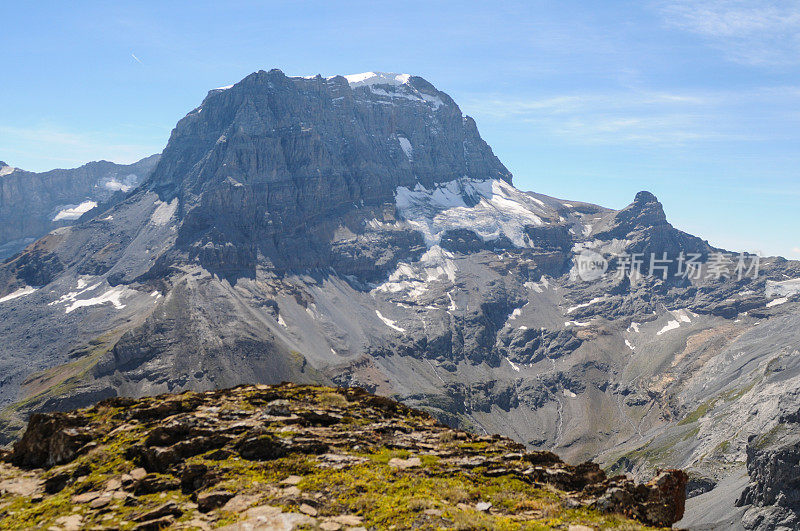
(644, 197)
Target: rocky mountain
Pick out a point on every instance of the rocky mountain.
(33, 204)
(314, 457)
(358, 231)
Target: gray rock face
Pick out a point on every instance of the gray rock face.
(358, 231)
(773, 463)
(33, 204)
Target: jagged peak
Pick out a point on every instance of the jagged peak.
(363, 79)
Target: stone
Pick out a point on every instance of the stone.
(73, 522)
(24, 486)
(269, 518)
(240, 503)
(290, 491)
(483, 506)
(152, 483)
(292, 480)
(100, 502)
(347, 519)
(209, 501)
(156, 524)
(86, 497)
(168, 509)
(403, 464)
(307, 509)
(51, 439)
(138, 473)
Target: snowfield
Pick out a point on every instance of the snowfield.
(491, 209)
(73, 212)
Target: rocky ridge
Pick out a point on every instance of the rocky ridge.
(279, 457)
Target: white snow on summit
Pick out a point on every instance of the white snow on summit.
(376, 78)
(72, 212)
(6, 170)
(400, 88)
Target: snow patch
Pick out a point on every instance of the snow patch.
(113, 296)
(778, 301)
(453, 307)
(634, 326)
(513, 365)
(682, 316)
(21, 292)
(576, 323)
(628, 343)
(585, 304)
(785, 288)
(125, 185)
(164, 212)
(671, 325)
(569, 394)
(388, 322)
(6, 170)
(406, 147)
(435, 265)
(72, 212)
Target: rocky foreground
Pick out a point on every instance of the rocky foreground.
(288, 456)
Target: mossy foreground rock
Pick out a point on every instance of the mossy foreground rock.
(284, 457)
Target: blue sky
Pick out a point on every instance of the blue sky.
(698, 102)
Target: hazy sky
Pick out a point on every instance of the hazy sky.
(698, 102)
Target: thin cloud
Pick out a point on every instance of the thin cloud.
(137, 59)
(757, 32)
(649, 117)
(57, 147)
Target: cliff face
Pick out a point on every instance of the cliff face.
(288, 456)
(772, 464)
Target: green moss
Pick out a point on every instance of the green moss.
(431, 496)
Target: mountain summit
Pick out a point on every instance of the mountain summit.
(302, 156)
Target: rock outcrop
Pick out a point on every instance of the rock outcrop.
(302, 456)
(774, 492)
